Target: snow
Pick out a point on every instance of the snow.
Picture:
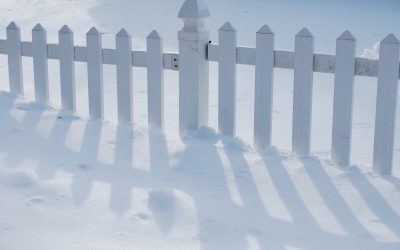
(67, 182)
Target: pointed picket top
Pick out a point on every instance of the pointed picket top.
(304, 32)
(391, 39)
(65, 29)
(194, 9)
(227, 27)
(38, 27)
(265, 30)
(154, 34)
(346, 35)
(13, 26)
(123, 33)
(93, 32)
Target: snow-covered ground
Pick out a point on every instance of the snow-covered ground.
(70, 183)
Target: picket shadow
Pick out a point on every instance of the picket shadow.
(198, 166)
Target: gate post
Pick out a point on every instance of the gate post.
(193, 67)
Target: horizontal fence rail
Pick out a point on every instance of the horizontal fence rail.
(139, 58)
(285, 60)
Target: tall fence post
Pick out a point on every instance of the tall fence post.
(193, 69)
(14, 58)
(385, 118)
(343, 98)
(302, 92)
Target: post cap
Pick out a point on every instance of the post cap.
(154, 34)
(391, 38)
(65, 29)
(346, 36)
(93, 32)
(227, 27)
(38, 27)
(195, 9)
(123, 33)
(12, 26)
(304, 32)
(265, 30)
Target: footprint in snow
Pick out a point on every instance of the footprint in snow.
(84, 167)
(141, 216)
(34, 201)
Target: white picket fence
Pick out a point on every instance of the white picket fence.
(95, 56)
(195, 52)
(304, 62)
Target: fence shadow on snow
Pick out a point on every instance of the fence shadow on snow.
(222, 185)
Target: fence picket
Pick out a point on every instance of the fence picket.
(67, 68)
(343, 98)
(302, 92)
(95, 73)
(124, 76)
(263, 95)
(385, 118)
(14, 58)
(41, 79)
(155, 81)
(227, 80)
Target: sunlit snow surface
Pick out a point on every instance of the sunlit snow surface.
(69, 183)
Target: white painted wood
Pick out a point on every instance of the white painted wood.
(80, 55)
(227, 80)
(385, 118)
(155, 81)
(302, 92)
(67, 68)
(246, 56)
(95, 73)
(53, 51)
(14, 58)
(139, 59)
(263, 87)
(124, 76)
(27, 49)
(193, 67)
(366, 67)
(285, 60)
(343, 99)
(3, 47)
(40, 68)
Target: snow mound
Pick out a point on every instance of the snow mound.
(372, 53)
